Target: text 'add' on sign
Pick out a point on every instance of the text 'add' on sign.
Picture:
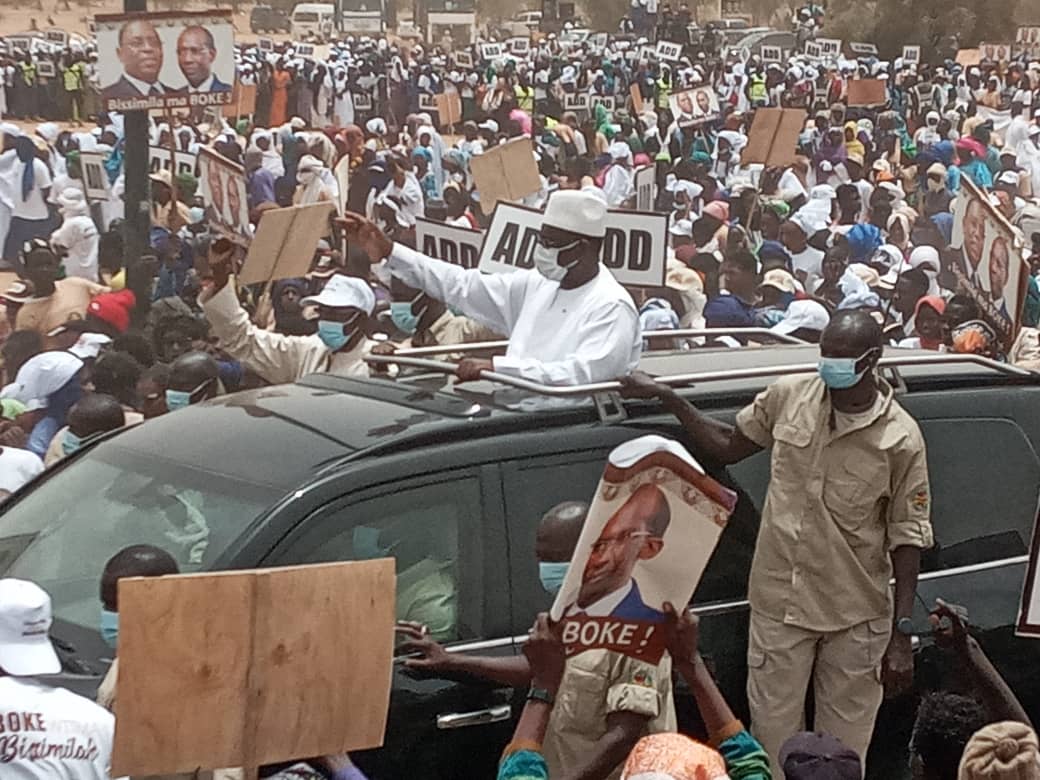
(633, 249)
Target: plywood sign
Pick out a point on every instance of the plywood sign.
(507, 172)
(867, 92)
(773, 139)
(252, 667)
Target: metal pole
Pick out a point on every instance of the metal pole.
(136, 195)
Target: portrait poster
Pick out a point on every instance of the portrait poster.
(652, 526)
(988, 261)
(222, 186)
(694, 106)
(166, 61)
(95, 178)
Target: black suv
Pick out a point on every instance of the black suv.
(451, 481)
(266, 19)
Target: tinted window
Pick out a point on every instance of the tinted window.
(433, 531)
(985, 480)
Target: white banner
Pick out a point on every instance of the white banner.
(668, 51)
(633, 249)
(455, 245)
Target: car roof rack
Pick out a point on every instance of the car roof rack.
(684, 333)
(607, 398)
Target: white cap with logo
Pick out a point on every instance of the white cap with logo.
(25, 620)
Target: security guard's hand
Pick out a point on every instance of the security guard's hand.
(469, 369)
(367, 236)
(545, 653)
(897, 670)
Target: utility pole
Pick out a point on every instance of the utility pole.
(136, 193)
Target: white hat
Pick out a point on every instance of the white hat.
(89, 345)
(309, 163)
(25, 620)
(73, 201)
(342, 292)
(619, 150)
(779, 279)
(490, 125)
(803, 314)
(577, 211)
(1033, 130)
(41, 376)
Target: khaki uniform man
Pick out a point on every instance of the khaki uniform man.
(847, 507)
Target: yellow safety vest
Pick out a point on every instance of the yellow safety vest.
(524, 98)
(664, 93)
(758, 88)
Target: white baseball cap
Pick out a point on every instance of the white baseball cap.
(803, 314)
(577, 211)
(25, 620)
(342, 292)
(41, 376)
(779, 279)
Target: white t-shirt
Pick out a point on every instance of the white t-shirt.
(51, 733)
(79, 235)
(16, 468)
(34, 206)
(810, 263)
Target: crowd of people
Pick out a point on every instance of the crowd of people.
(910, 223)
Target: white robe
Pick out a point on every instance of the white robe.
(594, 329)
(344, 107)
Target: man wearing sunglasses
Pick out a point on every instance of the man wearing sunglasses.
(569, 321)
(339, 347)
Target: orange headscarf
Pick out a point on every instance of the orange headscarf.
(675, 756)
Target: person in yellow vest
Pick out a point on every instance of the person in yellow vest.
(74, 82)
(757, 90)
(25, 88)
(664, 88)
(524, 94)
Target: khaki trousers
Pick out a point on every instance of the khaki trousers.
(845, 669)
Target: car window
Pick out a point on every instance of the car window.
(433, 531)
(534, 486)
(61, 534)
(983, 506)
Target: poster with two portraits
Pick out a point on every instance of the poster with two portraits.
(166, 62)
(988, 261)
(651, 529)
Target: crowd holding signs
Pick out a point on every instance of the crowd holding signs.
(317, 209)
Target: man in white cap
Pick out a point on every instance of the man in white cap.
(77, 237)
(49, 732)
(569, 321)
(339, 347)
(619, 184)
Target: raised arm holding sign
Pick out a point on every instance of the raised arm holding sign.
(569, 321)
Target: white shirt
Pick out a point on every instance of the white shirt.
(16, 468)
(410, 197)
(556, 337)
(619, 185)
(810, 263)
(62, 736)
(33, 207)
(79, 235)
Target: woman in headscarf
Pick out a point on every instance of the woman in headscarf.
(309, 185)
(852, 143)
(25, 182)
(321, 96)
(830, 153)
(928, 325)
(899, 232)
(343, 111)
(280, 81)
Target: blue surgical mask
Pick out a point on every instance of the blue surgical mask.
(70, 443)
(551, 575)
(404, 320)
(333, 335)
(109, 627)
(177, 399)
(840, 373)
(196, 214)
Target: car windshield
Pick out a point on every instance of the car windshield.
(305, 16)
(61, 533)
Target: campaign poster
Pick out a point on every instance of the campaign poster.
(989, 263)
(607, 101)
(634, 247)
(450, 243)
(651, 529)
(646, 187)
(222, 186)
(166, 61)
(668, 51)
(694, 106)
(576, 101)
(492, 51)
(95, 177)
(159, 159)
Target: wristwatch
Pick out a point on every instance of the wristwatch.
(905, 626)
(541, 694)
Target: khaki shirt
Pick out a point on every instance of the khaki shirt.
(275, 357)
(839, 501)
(595, 684)
(69, 301)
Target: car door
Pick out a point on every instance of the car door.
(445, 532)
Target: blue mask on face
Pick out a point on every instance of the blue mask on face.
(551, 575)
(70, 443)
(840, 373)
(404, 320)
(177, 399)
(333, 334)
(109, 627)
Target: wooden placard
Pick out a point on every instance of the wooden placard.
(968, 57)
(637, 99)
(449, 108)
(243, 668)
(285, 242)
(867, 92)
(773, 139)
(506, 173)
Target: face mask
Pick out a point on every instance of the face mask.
(109, 627)
(177, 399)
(936, 186)
(196, 214)
(71, 443)
(551, 575)
(404, 320)
(546, 260)
(333, 335)
(840, 373)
